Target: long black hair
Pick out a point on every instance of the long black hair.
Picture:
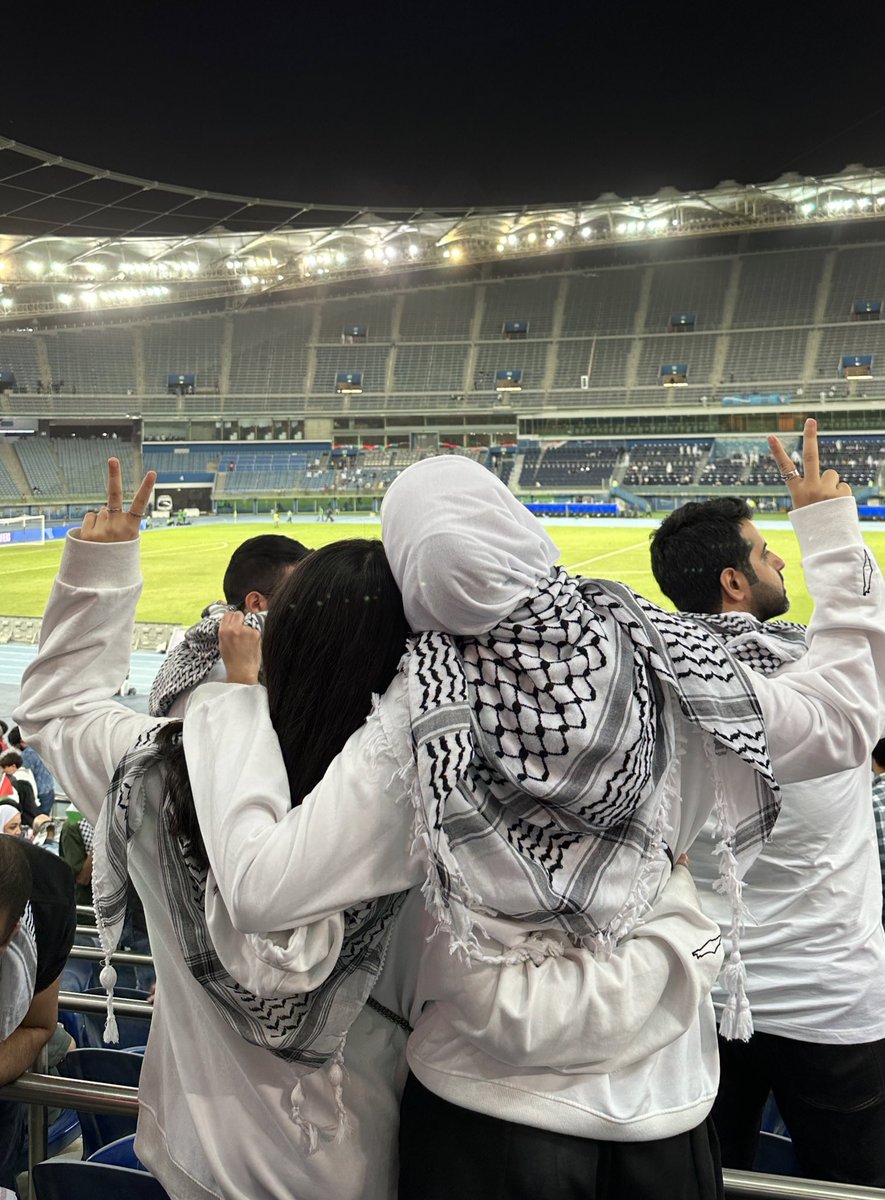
(333, 638)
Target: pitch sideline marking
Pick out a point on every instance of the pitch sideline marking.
(609, 554)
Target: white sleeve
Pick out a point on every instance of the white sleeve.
(824, 713)
(578, 1014)
(278, 867)
(66, 710)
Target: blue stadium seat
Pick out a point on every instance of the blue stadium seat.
(65, 1180)
(775, 1155)
(103, 1066)
(120, 1153)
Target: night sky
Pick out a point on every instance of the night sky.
(451, 104)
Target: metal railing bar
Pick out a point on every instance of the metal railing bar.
(80, 1002)
(787, 1187)
(82, 1094)
(119, 956)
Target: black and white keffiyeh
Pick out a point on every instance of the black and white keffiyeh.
(308, 1030)
(188, 664)
(87, 834)
(544, 747)
(548, 716)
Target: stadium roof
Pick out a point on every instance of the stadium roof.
(77, 238)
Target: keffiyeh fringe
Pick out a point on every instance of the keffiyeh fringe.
(308, 1031)
(547, 761)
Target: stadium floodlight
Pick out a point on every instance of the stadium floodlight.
(586, 231)
(807, 208)
(500, 247)
(512, 239)
(456, 252)
(65, 298)
(414, 251)
(36, 268)
(559, 235)
(533, 237)
(6, 301)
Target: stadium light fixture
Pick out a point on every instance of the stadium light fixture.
(807, 208)
(456, 252)
(65, 298)
(586, 231)
(512, 239)
(414, 251)
(500, 247)
(6, 301)
(559, 235)
(533, 237)
(36, 268)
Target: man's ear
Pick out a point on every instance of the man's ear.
(734, 587)
(255, 602)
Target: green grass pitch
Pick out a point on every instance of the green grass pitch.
(183, 568)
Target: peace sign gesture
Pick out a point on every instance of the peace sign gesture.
(111, 523)
(807, 486)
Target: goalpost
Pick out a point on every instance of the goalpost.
(16, 531)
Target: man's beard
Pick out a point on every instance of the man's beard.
(769, 602)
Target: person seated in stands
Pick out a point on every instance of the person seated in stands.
(22, 782)
(46, 833)
(10, 819)
(256, 569)
(813, 944)
(43, 781)
(37, 920)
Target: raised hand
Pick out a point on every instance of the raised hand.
(240, 647)
(112, 523)
(807, 486)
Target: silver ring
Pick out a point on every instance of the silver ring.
(133, 513)
(113, 509)
(794, 474)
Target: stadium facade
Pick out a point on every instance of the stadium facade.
(257, 348)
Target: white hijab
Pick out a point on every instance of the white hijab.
(7, 812)
(463, 550)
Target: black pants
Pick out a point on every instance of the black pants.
(832, 1098)
(451, 1153)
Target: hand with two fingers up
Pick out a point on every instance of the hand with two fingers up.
(113, 522)
(807, 486)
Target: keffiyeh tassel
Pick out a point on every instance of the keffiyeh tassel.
(737, 1020)
(313, 1134)
(108, 980)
